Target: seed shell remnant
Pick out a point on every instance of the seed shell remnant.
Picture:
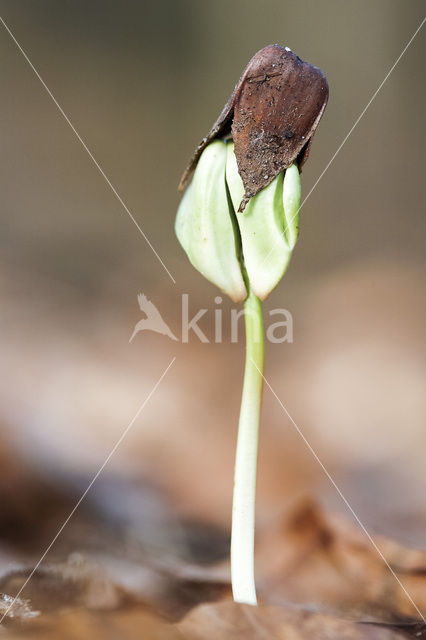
(272, 116)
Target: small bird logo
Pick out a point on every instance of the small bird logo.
(153, 320)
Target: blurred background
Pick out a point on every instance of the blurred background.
(142, 82)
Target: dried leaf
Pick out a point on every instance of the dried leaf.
(230, 620)
(133, 624)
(313, 558)
(76, 582)
(327, 560)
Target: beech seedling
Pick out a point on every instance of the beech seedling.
(238, 222)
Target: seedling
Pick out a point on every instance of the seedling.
(238, 222)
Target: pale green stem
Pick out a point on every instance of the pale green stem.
(243, 509)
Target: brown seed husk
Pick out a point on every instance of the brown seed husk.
(271, 115)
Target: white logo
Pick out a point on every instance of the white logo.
(153, 320)
(276, 332)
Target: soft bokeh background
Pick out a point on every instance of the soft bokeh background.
(142, 82)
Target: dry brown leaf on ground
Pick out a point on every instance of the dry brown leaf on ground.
(322, 564)
(229, 620)
(75, 583)
(107, 584)
(325, 563)
(132, 624)
(313, 557)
